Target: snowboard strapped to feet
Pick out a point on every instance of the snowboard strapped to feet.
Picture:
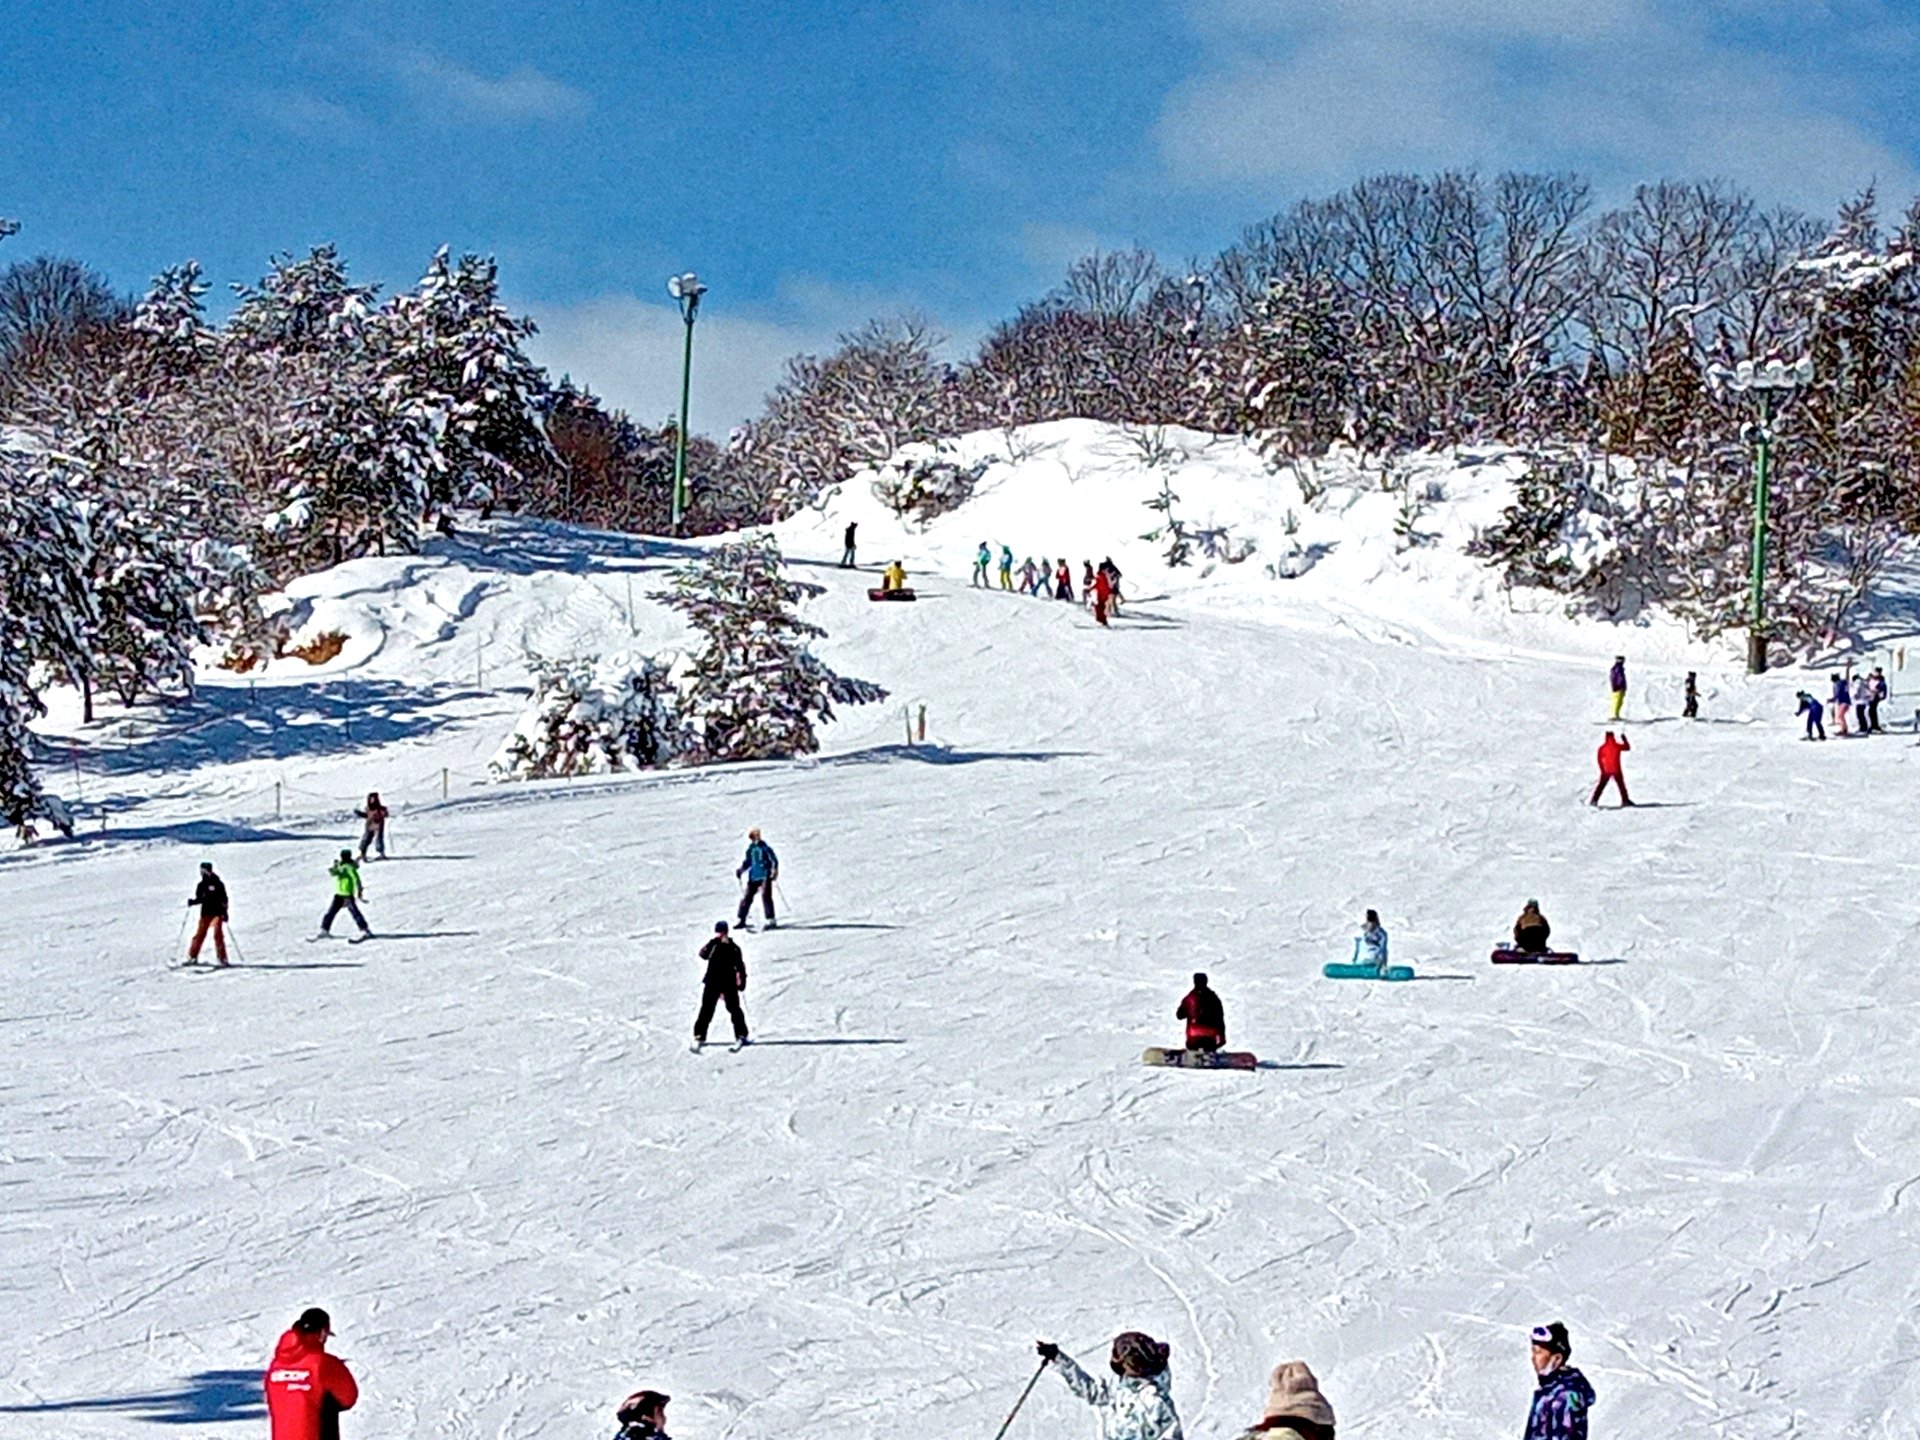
(906, 594)
(1507, 955)
(1200, 1059)
(1367, 972)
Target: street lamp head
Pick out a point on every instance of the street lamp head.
(673, 286)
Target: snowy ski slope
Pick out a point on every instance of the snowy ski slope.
(482, 1143)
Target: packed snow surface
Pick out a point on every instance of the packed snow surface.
(482, 1143)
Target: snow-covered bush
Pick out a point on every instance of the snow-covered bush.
(595, 715)
(921, 483)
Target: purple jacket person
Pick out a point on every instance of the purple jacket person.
(1563, 1397)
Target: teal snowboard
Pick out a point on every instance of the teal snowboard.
(1367, 972)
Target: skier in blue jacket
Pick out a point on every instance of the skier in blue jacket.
(762, 868)
(1811, 708)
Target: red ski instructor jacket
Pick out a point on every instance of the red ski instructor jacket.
(307, 1389)
(1610, 752)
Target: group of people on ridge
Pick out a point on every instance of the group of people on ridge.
(1099, 584)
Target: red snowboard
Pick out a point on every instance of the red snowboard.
(891, 595)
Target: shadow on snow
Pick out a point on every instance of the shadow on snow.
(210, 1397)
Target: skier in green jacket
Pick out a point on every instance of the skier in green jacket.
(347, 893)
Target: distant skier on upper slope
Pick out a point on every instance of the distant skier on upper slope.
(761, 867)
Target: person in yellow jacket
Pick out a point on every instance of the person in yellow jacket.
(894, 577)
(347, 893)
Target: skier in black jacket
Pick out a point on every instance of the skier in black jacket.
(726, 978)
(211, 896)
(1206, 1017)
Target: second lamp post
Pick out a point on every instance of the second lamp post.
(687, 289)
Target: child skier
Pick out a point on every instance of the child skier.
(981, 562)
(1006, 567)
(1112, 572)
(1876, 692)
(211, 896)
(1617, 683)
(642, 1416)
(1102, 596)
(1063, 581)
(1810, 708)
(1029, 582)
(1295, 1409)
(1609, 755)
(761, 867)
(726, 977)
(347, 892)
(1138, 1403)
(374, 833)
(1206, 1017)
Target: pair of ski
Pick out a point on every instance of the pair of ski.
(351, 939)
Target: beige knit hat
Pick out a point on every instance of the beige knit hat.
(1293, 1394)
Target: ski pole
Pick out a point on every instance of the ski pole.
(234, 936)
(181, 938)
(1021, 1401)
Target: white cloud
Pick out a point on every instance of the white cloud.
(305, 115)
(523, 94)
(627, 351)
(1625, 89)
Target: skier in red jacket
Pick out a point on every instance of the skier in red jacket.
(1610, 752)
(306, 1387)
(1206, 1017)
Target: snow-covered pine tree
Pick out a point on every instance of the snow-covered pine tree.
(754, 690)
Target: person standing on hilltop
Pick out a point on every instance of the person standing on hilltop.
(846, 553)
(982, 562)
(1102, 596)
(1063, 581)
(1029, 578)
(1617, 683)
(1690, 710)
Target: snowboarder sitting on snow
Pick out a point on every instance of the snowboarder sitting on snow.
(894, 577)
(762, 868)
(1296, 1410)
(1206, 1017)
(1610, 751)
(1563, 1397)
(726, 977)
(1370, 945)
(1138, 1404)
(347, 892)
(1531, 930)
(211, 896)
(375, 831)
(306, 1387)
(642, 1416)
(1810, 708)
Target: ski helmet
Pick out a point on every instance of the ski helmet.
(346, 854)
(719, 927)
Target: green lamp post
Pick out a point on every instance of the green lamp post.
(687, 289)
(1770, 384)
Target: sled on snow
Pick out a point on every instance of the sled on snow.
(1200, 1059)
(904, 594)
(1367, 972)
(1507, 955)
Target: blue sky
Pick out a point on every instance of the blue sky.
(820, 164)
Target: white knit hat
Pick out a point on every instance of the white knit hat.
(1293, 1394)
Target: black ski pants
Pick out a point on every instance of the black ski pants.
(342, 902)
(711, 996)
(762, 888)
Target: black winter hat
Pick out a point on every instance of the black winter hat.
(1200, 978)
(1553, 1337)
(719, 927)
(206, 864)
(639, 1405)
(314, 1321)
